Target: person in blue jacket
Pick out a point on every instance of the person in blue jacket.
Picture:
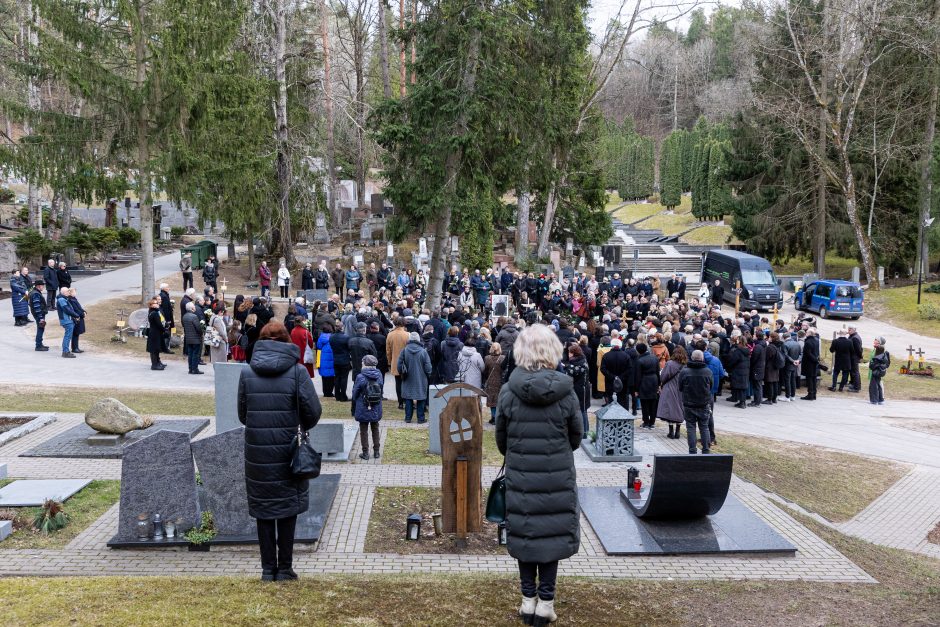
(67, 318)
(365, 409)
(327, 374)
(718, 371)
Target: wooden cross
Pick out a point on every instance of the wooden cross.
(920, 360)
(910, 355)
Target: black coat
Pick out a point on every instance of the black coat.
(647, 375)
(809, 365)
(154, 332)
(64, 277)
(306, 279)
(758, 360)
(771, 372)
(166, 307)
(359, 347)
(193, 330)
(538, 425)
(695, 384)
(738, 367)
(450, 348)
(842, 353)
(578, 371)
(617, 363)
(339, 344)
(378, 340)
(857, 349)
(274, 396)
(321, 279)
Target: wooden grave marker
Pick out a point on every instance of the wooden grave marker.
(461, 429)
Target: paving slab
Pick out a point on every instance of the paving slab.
(34, 492)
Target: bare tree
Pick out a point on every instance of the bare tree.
(353, 37)
(328, 107)
(382, 17)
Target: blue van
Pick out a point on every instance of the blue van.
(829, 298)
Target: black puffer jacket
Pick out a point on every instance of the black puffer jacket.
(738, 367)
(695, 384)
(273, 395)
(538, 425)
(647, 377)
(450, 348)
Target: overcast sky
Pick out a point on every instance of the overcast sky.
(604, 10)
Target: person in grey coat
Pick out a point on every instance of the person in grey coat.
(193, 330)
(415, 366)
(538, 426)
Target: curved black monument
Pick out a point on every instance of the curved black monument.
(684, 486)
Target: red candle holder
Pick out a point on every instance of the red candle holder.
(637, 484)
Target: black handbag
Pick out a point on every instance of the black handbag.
(496, 499)
(304, 460)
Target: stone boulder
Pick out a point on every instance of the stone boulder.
(109, 415)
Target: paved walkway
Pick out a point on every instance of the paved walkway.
(904, 515)
(341, 549)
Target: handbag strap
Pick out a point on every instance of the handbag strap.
(300, 430)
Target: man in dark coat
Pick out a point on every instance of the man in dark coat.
(210, 273)
(39, 309)
(155, 335)
(339, 344)
(842, 354)
(809, 365)
(857, 354)
(415, 365)
(306, 277)
(339, 276)
(359, 347)
(717, 294)
(321, 278)
(617, 365)
(378, 340)
(758, 364)
(695, 385)
(538, 426)
(275, 396)
(63, 276)
(166, 308)
(193, 330)
(51, 278)
(647, 384)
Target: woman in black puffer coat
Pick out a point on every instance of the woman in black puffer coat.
(538, 426)
(739, 368)
(275, 396)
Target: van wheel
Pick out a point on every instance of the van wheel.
(822, 313)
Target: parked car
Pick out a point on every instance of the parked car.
(831, 298)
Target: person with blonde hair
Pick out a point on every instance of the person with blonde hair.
(538, 426)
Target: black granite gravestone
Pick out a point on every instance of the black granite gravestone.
(684, 486)
(158, 477)
(221, 463)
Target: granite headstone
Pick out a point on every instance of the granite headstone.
(226, 395)
(158, 477)
(221, 462)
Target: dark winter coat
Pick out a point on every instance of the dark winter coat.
(617, 363)
(809, 365)
(414, 385)
(378, 340)
(361, 410)
(670, 400)
(450, 349)
(155, 331)
(758, 360)
(166, 307)
(192, 329)
(647, 376)
(771, 372)
(578, 371)
(433, 347)
(306, 279)
(695, 384)
(18, 287)
(275, 395)
(359, 347)
(538, 425)
(339, 344)
(493, 378)
(38, 305)
(507, 337)
(321, 279)
(51, 278)
(841, 349)
(79, 316)
(64, 277)
(857, 349)
(739, 367)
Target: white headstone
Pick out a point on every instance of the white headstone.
(454, 244)
(357, 259)
(389, 250)
(422, 246)
(856, 274)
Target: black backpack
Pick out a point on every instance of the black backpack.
(373, 393)
(781, 359)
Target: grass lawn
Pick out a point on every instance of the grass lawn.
(668, 223)
(390, 508)
(908, 593)
(710, 235)
(836, 267)
(78, 400)
(334, 409)
(898, 305)
(636, 212)
(409, 446)
(897, 385)
(84, 508)
(833, 484)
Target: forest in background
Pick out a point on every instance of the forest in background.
(810, 124)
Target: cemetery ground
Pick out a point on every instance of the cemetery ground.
(898, 306)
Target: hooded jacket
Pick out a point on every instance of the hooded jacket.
(470, 366)
(361, 410)
(275, 395)
(695, 384)
(414, 386)
(450, 349)
(538, 426)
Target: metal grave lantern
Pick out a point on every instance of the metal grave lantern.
(413, 527)
(615, 432)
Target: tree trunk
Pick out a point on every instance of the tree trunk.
(143, 158)
(29, 39)
(53, 213)
(66, 215)
(925, 195)
(283, 164)
(414, 45)
(361, 40)
(231, 248)
(451, 167)
(328, 108)
(819, 241)
(402, 88)
(383, 50)
(523, 204)
(551, 202)
(250, 236)
(851, 208)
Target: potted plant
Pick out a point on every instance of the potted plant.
(51, 517)
(199, 537)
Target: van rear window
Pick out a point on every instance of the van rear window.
(848, 291)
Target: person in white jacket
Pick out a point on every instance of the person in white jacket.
(283, 279)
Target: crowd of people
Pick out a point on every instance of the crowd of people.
(51, 291)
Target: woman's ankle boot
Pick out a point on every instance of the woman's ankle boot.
(545, 613)
(527, 610)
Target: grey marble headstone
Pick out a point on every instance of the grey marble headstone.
(221, 462)
(158, 476)
(6, 528)
(3, 471)
(226, 395)
(435, 407)
(313, 296)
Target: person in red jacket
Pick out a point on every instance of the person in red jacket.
(264, 278)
